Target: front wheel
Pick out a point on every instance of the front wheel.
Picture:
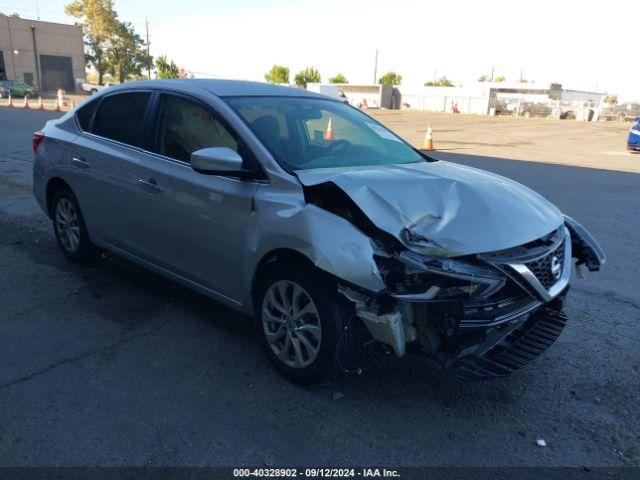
(307, 327)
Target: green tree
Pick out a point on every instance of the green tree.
(500, 79)
(166, 69)
(127, 55)
(308, 75)
(277, 74)
(441, 82)
(11, 15)
(390, 78)
(338, 78)
(611, 99)
(99, 22)
(484, 78)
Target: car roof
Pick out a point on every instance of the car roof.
(226, 88)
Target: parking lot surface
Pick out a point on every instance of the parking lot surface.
(111, 365)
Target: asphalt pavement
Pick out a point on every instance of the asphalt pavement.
(111, 365)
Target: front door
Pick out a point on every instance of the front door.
(191, 223)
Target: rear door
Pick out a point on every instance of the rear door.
(106, 161)
(196, 225)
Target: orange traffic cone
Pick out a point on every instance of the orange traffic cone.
(10, 104)
(26, 102)
(57, 109)
(428, 140)
(40, 105)
(328, 136)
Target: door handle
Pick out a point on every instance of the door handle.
(149, 185)
(79, 163)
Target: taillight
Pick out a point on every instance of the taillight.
(37, 138)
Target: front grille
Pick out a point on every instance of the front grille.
(541, 267)
(524, 344)
(484, 315)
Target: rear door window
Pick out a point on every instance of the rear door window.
(120, 117)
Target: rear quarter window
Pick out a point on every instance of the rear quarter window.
(120, 117)
(85, 113)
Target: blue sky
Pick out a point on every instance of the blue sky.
(549, 40)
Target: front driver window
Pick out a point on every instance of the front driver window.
(184, 127)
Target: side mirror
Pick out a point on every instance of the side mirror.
(218, 161)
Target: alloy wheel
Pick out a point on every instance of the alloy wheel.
(67, 225)
(291, 324)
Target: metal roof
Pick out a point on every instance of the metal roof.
(228, 88)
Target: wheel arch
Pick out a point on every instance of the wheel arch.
(54, 185)
(278, 255)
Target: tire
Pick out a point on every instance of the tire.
(331, 329)
(93, 91)
(70, 229)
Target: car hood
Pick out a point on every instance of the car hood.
(444, 208)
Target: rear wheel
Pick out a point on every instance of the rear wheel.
(69, 228)
(306, 326)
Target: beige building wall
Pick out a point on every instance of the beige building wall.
(52, 39)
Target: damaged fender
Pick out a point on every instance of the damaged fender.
(286, 221)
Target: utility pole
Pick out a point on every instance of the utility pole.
(375, 69)
(35, 55)
(37, 11)
(492, 68)
(146, 26)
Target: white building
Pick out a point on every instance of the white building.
(485, 98)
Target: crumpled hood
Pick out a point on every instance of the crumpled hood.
(444, 208)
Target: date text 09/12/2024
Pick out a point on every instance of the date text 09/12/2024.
(316, 473)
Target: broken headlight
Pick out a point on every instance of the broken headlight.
(413, 276)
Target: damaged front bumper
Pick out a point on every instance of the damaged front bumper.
(484, 315)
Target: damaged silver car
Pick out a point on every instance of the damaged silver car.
(314, 218)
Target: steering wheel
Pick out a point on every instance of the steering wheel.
(338, 145)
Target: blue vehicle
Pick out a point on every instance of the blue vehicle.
(633, 142)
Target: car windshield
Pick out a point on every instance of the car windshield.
(308, 133)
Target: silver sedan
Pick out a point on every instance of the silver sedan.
(320, 222)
